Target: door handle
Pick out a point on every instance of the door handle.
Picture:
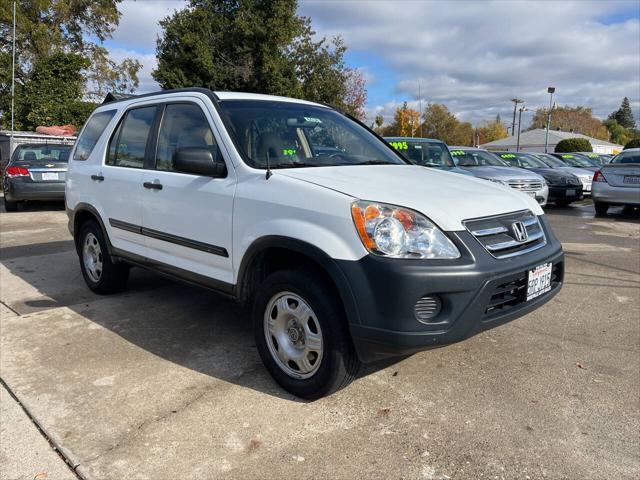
(154, 186)
(97, 178)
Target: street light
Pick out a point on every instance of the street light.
(521, 109)
(550, 91)
(515, 101)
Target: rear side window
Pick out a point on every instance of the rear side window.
(129, 142)
(627, 157)
(91, 133)
(183, 126)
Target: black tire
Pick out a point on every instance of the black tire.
(10, 206)
(601, 208)
(339, 363)
(113, 277)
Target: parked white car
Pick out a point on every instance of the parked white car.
(618, 182)
(347, 253)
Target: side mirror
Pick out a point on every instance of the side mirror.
(199, 161)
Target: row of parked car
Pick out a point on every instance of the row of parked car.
(559, 178)
(38, 171)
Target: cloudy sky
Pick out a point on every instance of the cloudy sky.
(472, 56)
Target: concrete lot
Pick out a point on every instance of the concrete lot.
(163, 381)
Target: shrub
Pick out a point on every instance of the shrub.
(635, 143)
(573, 145)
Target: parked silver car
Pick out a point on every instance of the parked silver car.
(618, 182)
(484, 164)
(585, 176)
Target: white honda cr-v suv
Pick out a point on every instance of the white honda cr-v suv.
(347, 253)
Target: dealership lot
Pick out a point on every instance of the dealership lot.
(163, 381)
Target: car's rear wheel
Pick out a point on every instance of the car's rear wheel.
(302, 336)
(10, 206)
(100, 272)
(601, 208)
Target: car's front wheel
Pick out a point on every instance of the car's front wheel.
(100, 272)
(302, 335)
(601, 208)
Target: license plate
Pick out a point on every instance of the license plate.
(49, 176)
(539, 281)
(571, 193)
(631, 179)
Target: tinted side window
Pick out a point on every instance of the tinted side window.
(129, 142)
(91, 133)
(183, 126)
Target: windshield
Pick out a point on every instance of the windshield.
(291, 135)
(577, 160)
(627, 157)
(42, 153)
(522, 160)
(476, 158)
(420, 152)
(550, 160)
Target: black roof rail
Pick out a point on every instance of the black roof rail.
(119, 97)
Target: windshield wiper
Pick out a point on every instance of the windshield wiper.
(293, 165)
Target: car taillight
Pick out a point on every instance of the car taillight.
(599, 177)
(17, 172)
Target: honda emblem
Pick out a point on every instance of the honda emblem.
(519, 231)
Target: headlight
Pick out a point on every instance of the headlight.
(495, 180)
(397, 232)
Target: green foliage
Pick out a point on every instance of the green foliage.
(573, 145)
(624, 115)
(253, 46)
(617, 133)
(441, 124)
(635, 143)
(46, 29)
(54, 91)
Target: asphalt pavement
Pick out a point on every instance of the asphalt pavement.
(163, 381)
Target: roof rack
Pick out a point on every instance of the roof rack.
(119, 97)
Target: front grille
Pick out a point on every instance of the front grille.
(499, 234)
(512, 293)
(526, 185)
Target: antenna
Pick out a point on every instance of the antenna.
(267, 176)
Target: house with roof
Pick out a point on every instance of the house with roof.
(533, 141)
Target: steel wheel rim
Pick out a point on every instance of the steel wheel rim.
(92, 257)
(293, 335)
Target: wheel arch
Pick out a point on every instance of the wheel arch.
(268, 253)
(82, 213)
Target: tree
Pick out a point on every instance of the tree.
(578, 119)
(624, 115)
(635, 143)
(617, 133)
(491, 131)
(255, 46)
(441, 124)
(45, 28)
(576, 144)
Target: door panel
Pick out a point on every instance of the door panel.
(187, 222)
(121, 180)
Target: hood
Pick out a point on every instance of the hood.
(578, 172)
(455, 170)
(555, 176)
(502, 173)
(446, 198)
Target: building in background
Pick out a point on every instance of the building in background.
(533, 141)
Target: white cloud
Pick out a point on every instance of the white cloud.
(475, 56)
(148, 61)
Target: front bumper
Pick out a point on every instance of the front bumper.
(606, 193)
(388, 289)
(568, 193)
(16, 190)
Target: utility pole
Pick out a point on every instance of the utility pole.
(420, 103)
(521, 109)
(515, 101)
(550, 90)
(13, 79)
